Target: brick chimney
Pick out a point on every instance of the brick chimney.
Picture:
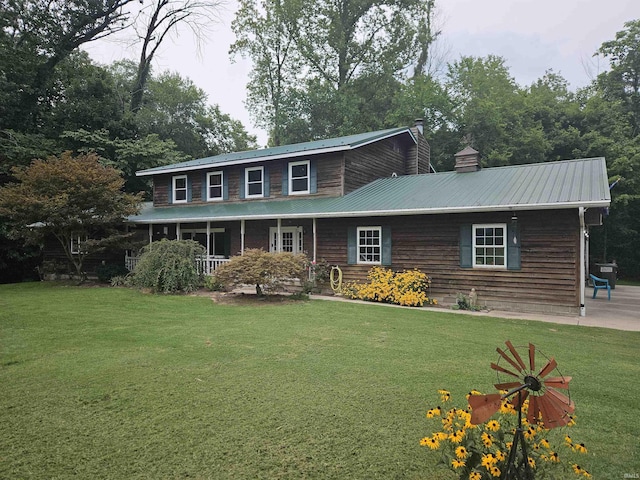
(467, 160)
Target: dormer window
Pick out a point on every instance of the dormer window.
(215, 186)
(254, 182)
(299, 177)
(179, 186)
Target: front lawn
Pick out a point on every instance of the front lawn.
(113, 383)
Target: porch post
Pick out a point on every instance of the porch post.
(583, 310)
(208, 238)
(242, 237)
(178, 231)
(315, 240)
(279, 237)
(150, 232)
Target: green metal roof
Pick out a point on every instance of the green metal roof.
(553, 185)
(285, 151)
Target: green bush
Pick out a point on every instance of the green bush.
(269, 272)
(170, 266)
(109, 270)
(213, 283)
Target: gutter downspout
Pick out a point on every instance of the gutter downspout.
(583, 310)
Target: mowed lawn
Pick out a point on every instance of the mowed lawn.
(113, 383)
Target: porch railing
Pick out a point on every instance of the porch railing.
(209, 263)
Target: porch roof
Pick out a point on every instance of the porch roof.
(552, 185)
(285, 151)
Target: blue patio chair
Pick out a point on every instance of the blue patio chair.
(599, 283)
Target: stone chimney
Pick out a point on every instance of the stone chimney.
(420, 125)
(467, 160)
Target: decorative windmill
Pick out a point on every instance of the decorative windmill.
(546, 403)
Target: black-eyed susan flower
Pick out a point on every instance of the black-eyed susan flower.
(494, 471)
(579, 447)
(576, 469)
(432, 442)
(532, 462)
(473, 392)
(434, 412)
(568, 441)
(554, 457)
(488, 460)
(529, 433)
(457, 436)
(487, 439)
(445, 395)
(475, 476)
(545, 443)
(462, 452)
(493, 425)
(455, 463)
(500, 456)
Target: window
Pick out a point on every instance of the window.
(76, 244)
(369, 245)
(489, 245)
(179, 189)
(299, 177)
(254, 180)
(214, 186)
(290, 239)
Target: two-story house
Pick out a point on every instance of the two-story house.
(516, 234)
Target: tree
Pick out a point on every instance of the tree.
(159, 20)
(76, 200)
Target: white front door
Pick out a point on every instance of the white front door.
(290, 239)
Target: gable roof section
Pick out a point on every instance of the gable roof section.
(337, 144)
(539, 186)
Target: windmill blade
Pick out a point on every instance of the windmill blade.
(560, 398)
(532, 357)
(548, 368)
(514, 352)
(508, 359)
(497, 367)
(534, 410)
(483, 407)
(552, 415)
(507, 385)
(517, 400)
(557, 382)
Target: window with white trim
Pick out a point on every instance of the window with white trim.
(76, 244)
(179, 185)
(214, 186)
(490, 245)
(254, 182)
(369, 245)
(299, 177)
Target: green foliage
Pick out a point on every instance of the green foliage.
(213, 283)
(408, 288)
(169, 266)
(107, 271)
(269, 272)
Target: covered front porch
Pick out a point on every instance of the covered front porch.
(224, 239)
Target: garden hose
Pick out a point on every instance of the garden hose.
(336, 283)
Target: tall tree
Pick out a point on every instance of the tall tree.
(157, 21)
(74, 199)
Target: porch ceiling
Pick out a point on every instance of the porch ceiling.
(553, 185)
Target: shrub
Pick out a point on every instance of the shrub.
(481, 451)
(109, 270)
(267, 271)
(169, 266)
(408, 288)
(213, 283)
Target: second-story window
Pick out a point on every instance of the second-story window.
(214, 186)
(254, 178)
(299, 177)
(179, 189)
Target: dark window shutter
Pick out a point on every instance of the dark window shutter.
(352, 246)
(313, 177)
(266, 184)
(285, 179)
(513, 248)
(189, 188)
(204, 188)
(386, 245)
(227, 244)
(225, 186)
(170, 194)
(466, 246)
(243, 179)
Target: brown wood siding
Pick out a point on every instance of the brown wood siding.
(53, 253)
(378, 160)
(549, 256)
(418, 156)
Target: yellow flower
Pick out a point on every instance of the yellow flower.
(572, 421)
(586, 474)
(576, 469)
(461, 452)
(545, 443)
(457, 436)
(487, 439)
(568, 440)
(455, 463)
(493, 425)
(532, 462)
(473, 392)
(475, 476)
(432, 442)
(434, 412)
(579, 447)
(500, 456)
(441, 436)
(529, 433)
(494, 471)
(554, 457)
(445, 395)
(488, 460)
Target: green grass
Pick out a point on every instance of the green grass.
(112, 383)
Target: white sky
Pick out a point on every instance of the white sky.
(532, 35)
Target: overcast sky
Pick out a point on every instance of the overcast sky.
(532, 35)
